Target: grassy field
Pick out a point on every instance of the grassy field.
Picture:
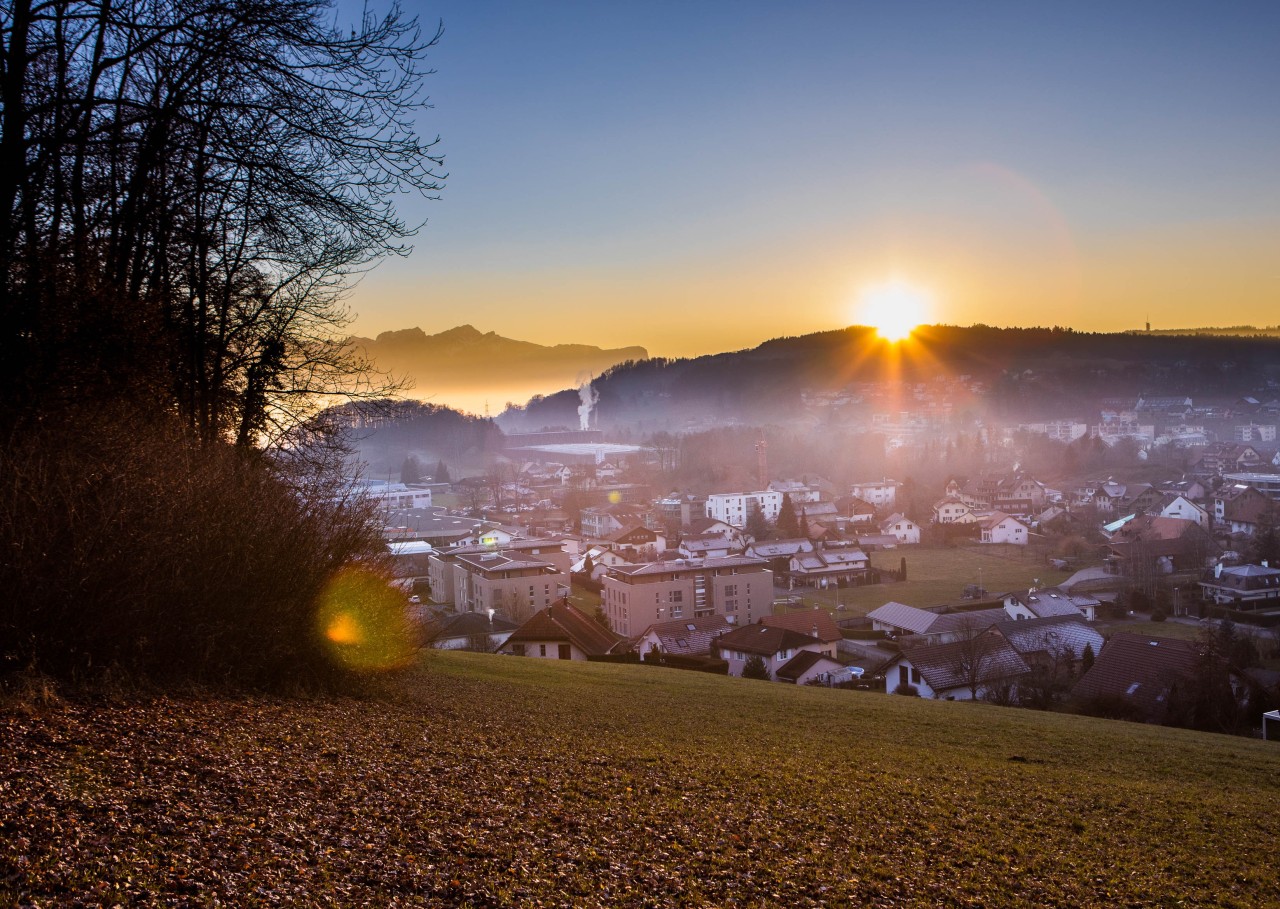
(939, 575)
(491, 781)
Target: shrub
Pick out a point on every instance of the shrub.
(756, 668)
(130, 548)
(907, 689)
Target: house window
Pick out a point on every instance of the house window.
(542, 650)
(730, 605)
(731, 590)
(915, 676)
(675, 596)
(517, 649)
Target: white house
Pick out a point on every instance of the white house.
(1182, 507)
(999, 527)
(1047, 602)
(953, 510)
(880, 493)
(901, 528)
(776, 646)
(736, 507)
(953, 670)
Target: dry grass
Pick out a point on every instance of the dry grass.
(490, 781)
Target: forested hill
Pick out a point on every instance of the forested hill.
(1031, 370)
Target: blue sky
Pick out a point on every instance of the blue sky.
(701, 176)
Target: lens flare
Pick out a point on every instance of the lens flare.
(363, 623)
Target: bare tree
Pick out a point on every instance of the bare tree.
(186, 191)
(973, 654)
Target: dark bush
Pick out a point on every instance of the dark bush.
(130, 549)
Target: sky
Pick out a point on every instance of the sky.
(701, 176)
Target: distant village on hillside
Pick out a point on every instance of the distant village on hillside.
(1142, 540)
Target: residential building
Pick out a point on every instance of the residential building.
(1179, 506)
(902, 528)
(561, 632)
(442, 563)
(480, 631)
(775, 646)
(1140, 671)
(817, 623)
(828, 567)
(999, 527)
(879, 493)
(513, 584)
(1242, 509)
(1049, 602)
(736, 508)
(958, 670)
(809, 668)
(683, 637)
(1245, 587)
(953, 510)
(637, 596)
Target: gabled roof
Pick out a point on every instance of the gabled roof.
(1044, 602)
(969, 620)
(1140, 669)
(562, 622)
(1150, 527)
(995, 519)
(770, 549)
(1048, 635)
(690, 636)
(700, 526)
(945, 666)
(814, 622)
(801, 663)
(764, 640)
(467, 624)
(900, 615)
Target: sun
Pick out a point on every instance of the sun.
(895, 309)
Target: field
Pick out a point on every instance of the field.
(937, 575)
(489, 781)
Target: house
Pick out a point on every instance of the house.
(1150, 544)
(998, 527)
(900, 528)
(808, 668)
(1245, 587)
(708, 546)
(601, 561)
(1139, 671)
(953, 510)
(683, 637)
(480, 631)
(958, 670)
(604, 521)
(775, 646)
(1042, 642)
(1241, 508)
(1181, 507)
(1224, 457)
(856, 511)
(736, 508)
(878, 493)
(639, 541)
(899, 618)
(561, 632)
(816, 623)
(828, 567)
(637, 596)
(1048, 602)
(779, 553)
(903, 621)
(468, 577)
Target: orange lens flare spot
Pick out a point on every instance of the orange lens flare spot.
(363, 622)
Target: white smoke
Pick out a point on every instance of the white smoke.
(588, 396)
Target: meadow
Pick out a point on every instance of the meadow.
(478, 780)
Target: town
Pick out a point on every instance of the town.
(1124, 566)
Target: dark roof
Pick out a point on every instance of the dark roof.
(943, 665)
(764, 640)
(1246, 577)
(1139, 669)
(817, 623)
(972, 619)
(689, 636)
(466, 624)
(563, 622)
(799, 664)
(1055, 633)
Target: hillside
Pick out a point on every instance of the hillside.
(490, 781)
(1025, 371)
(464, 365)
